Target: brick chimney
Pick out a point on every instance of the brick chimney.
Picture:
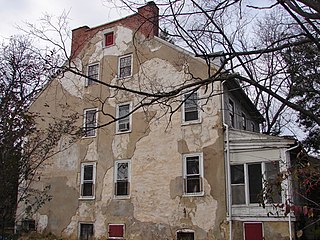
(150, 19)
(79, 36)
(145, 21)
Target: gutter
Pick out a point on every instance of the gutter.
(227, 164)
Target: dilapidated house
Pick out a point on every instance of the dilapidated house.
(179, 168)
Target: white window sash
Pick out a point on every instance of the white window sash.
(83, 181)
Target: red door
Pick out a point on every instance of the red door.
(253, 231)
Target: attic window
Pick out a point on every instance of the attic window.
(109, 39)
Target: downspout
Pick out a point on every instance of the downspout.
(288, 188)
(227, 163)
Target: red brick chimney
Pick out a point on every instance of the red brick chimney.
(145, 21)
(150, 19)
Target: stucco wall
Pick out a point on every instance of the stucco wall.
(155, 146)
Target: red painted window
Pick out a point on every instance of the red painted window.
(253, 231)
(109, 39)
(116, 231)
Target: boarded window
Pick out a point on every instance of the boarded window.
(116, 231)
(253, 231)
(109, 39)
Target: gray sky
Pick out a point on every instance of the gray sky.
(82, 12)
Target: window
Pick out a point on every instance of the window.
(125, 66)
(248, 181)
(191, 107)
(90, 122)
(88, 175)
(124, 117)
(86, 231)
(93, 73)
(243, 121)
(122, 178)
(116, 231)
(193, 174)
(231, 112)
(185, 235)
(108, 39)
(238, 184)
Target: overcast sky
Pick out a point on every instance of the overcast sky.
(82, 12)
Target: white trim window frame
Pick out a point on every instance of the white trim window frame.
(87, 180)
(125, 66)
(261, 176)
(81, 231)
(122, 178)
(92, 72)
(191, 108)
(123, 114)
(193, 174)
(90, 122)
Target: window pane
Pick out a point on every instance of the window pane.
(192, 165)
(88, 172)
(185, 236)
(237, 174)
(122, 188)
(86, 231)
(238, 194)
(193, 184)
(122, 171)
(272, 170)
(87, 189)
(255, 182)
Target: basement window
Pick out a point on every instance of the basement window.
(116, 231)
(185, 235)
(86, 231)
